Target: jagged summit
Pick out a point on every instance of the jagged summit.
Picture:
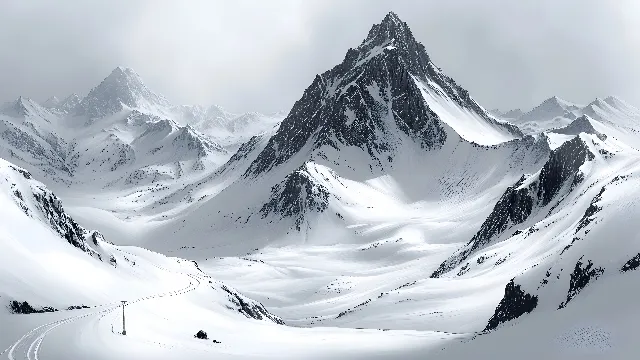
(393, 37)
(385, 90)
(556, 102)
(123, 87)
(23, 106)
(390, 29)
(615, 101)
(580, 125)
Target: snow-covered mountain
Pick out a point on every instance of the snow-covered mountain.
(384, 90)
(51, 264)
(510, 114)
(122, 137)
(307, 172)
(123, 88)
(555, 113)
(228, 129)
(386, 215)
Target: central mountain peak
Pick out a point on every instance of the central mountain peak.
(385, 92)
(391, 29)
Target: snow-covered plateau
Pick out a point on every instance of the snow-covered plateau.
(387, 215)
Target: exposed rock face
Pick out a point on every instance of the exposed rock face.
(518, 202)
(36, 201)
(48, 152)
(183, 142)
(295, 196)
(250, 308)
(189, 142)
(580, 125)
(365, 99)
(632, 264)
(580, 278)
(514, 207)
(242, 153)
(514, 304)
(563, 165)
(593, 208)
(62, 223)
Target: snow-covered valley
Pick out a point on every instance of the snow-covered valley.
(387, 215)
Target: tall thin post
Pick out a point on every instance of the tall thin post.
(124, 330)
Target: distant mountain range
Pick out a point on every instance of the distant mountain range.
(386, 198)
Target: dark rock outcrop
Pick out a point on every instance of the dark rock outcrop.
(563, 165)
(250, 308)
(295, 196)
(593, 208)
(631, 264)
(17, 307)
(514, 304)
(580, 278)
(514, 207)
(201, 334)
(62, 223)
(518, 203)
(580, 125)
(355, 103)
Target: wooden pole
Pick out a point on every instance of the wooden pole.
(124, 330)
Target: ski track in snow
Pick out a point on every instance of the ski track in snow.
(28, 346)
(394, 228)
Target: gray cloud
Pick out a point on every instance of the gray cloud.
(260, 55)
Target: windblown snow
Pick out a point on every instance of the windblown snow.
(387, 215)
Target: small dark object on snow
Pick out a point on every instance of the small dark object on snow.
(201, 335)
(216, 341)
(16, 307)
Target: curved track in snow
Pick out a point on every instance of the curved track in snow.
(28, 346)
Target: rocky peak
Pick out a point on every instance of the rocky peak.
(69, 103)
(580, 125)
(528, 195)
(22, 107)
(294, 197)
(123, 87)
(549, 109)
(188, 138)
(616, 102)
(354, 103)
(598, 102)
(37, 202)
(390, 30)
(553, 103)
(51, 102)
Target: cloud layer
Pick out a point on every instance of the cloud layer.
(260, 55)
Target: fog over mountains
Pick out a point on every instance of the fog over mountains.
(387, 214)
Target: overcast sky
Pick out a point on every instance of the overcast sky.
(260, 55)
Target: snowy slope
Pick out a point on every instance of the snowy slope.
(49, 264)
(387, 215)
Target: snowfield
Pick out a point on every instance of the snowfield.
(386, 216)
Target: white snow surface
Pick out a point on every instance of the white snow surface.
(466, 123)
(337, 243)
